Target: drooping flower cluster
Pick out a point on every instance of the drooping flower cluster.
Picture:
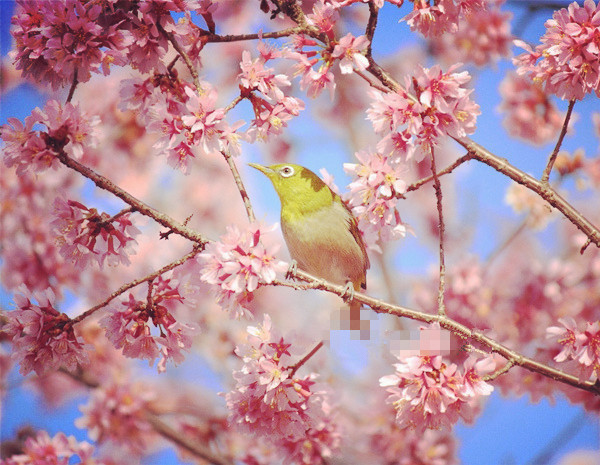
(428, 393)
(135, 328)
(117, 413)
(483, 37)
(42, 449)
(185, 119)
(238, 264)
(67, 128)
(314, 62)
(436, 17)
(61, 41)
(581, 346)
(373, 196)
(271, 401)
(567, 62)
(530, 113)
(43, 339)
(442, 107)
(263, 88)
(85, 235)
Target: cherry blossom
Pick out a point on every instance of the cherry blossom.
(148, 329)
(238, 264)
(43, 338)
(67, 128)
(59, 449)
(434, 19)
(427, 393)
(581, 346)
(442, 107)
(567, 62)
(373, 196)
(349, 50)
(271, 401)
(86, 235)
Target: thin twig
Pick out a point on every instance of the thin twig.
(183, 54)
(371, 26)
(242, 37)
(240, 185)
(124, 288)
(563, 131)
(305, 359)
(234, 102)
(73, 86)
(438, 195)
(459, 161)
(492, 376)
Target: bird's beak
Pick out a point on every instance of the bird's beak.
(268, 172)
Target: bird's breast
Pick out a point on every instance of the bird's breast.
(322, 244)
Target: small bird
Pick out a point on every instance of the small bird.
(320, 231)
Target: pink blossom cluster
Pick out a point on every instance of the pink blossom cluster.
(314, 62)
(186, 120)
(42, 449)
(67, 128)
(567, 62)
(117, 413)
(442, 107)
(270, 401)
(581, 346)
(263, 89)
(85, 235)
(148, 329)
(427, 393)
(66, 40)
(432, 18)
(238, 264)
(529, 113)
(43, 339)
(373, 194)
(483, 37)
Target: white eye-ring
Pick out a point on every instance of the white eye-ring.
(286, 171)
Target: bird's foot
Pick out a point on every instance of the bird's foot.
(348, 294)
(292, 270)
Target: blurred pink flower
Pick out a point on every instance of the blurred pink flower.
(117, 413)
(43, 339)
(59, 449)
(581, 346)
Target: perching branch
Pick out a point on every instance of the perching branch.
(379, 306)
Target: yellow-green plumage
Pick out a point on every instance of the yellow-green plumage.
(320, 231)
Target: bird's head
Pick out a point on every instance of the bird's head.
(297, 187)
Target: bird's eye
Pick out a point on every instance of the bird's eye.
(287, 171)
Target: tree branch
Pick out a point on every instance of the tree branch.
(438, 195)
(141, 207)
(379, 306)
(563, 131)
(240, 185)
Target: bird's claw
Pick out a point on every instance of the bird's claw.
(291, 272)
(348, 294)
